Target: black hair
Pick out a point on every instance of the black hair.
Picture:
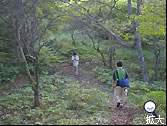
(119, 64)
(74, 54)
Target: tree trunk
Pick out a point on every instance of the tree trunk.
(111, 57)
(36, 96)
(73, 40)
(36, 92)
(137, 42)
(139, 54)
(129, 8)
(36, 62)
(98, 49)
(156, 55)
(103, 59)
(156, 58)
(27, 69)
(20, 49)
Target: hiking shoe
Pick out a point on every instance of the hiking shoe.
(118, 104)
(121, 105)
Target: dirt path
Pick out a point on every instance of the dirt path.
(118, 116)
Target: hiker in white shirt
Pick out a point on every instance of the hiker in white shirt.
(75, 60)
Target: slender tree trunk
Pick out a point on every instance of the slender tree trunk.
(98, 49)
(139, 54)
(111, 57)
(137, 43)
(129, 8)
(73, 40)
(138, 47)
(156, 57)
(17, 36)
(27, 69)
(36, 92)
(156, 54)
(36, 62)
(103, 59)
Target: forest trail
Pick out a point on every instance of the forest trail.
(118, 116)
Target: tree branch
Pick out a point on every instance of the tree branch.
(101, 25)
(6, 21)
(109, 12)
(5, 39)
(109, 5)
(46, 28)
(92, 41)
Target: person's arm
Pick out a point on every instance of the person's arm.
(76, 58)
(127, 75)
(113, 83)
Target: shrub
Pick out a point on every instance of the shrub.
(9, 73)
(140, 92)
(159, 97)
(104, 75)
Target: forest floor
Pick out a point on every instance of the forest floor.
(117, 115)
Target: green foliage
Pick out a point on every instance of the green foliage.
(9, 73)
(47, 57)
(125, 54)
(63, 101)
(104, 75)
(140, 92)
(158, 97)
(135, 67)
(153, 19)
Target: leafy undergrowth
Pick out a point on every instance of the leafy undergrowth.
(62, 102)
(140, 92)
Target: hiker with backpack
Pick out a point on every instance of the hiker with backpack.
(120, 84)
(75, 60)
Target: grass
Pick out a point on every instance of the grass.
(64, 102)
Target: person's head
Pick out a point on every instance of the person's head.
(74, 54)
(119, 64)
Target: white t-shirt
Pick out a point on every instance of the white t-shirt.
(75, 60)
